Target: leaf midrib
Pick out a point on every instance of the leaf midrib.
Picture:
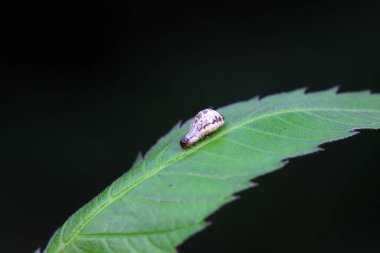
(194, 149)
(142, 233)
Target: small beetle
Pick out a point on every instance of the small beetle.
(205, 122)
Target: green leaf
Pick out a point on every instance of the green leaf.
(167, 194)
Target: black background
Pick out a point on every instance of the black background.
(88, 84)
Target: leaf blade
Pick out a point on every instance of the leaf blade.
(174, 188)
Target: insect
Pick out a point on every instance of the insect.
(205, 123)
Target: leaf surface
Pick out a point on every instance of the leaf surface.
(166, 195)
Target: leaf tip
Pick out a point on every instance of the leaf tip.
(207, 223)
(253, 184)
(283, 163)
(319, 149)
(231, 199)
(138, 159)
(179, 124)
(334, 89)
(302, 90)
(354, 132)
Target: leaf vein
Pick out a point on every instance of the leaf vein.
(136, 234)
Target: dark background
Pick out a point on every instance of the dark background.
(88, 84)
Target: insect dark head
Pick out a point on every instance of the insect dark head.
(184, 142)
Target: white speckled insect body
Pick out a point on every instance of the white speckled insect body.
(205, 122)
